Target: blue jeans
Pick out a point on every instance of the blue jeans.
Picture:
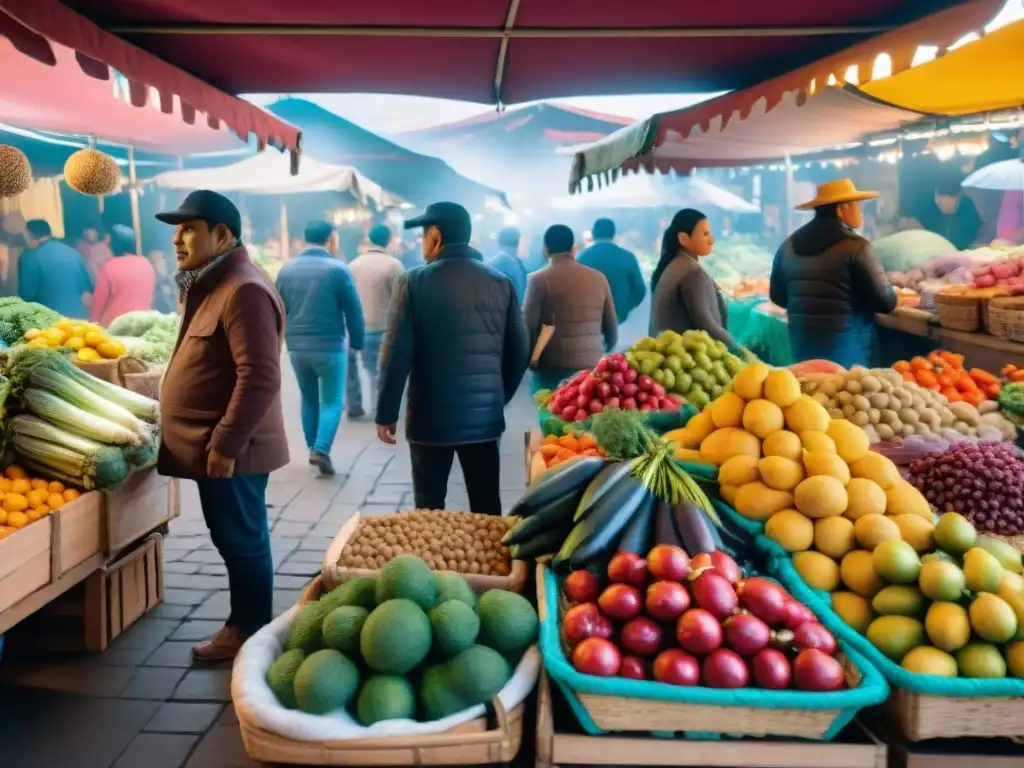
(847, 348)
(371, 359)
(235, 510)
(321, 377)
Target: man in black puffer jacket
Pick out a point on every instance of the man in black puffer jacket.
(830, 280)
(455, 331)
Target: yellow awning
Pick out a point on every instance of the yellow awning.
(982, 76)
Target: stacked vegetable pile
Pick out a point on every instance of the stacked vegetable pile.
(1004, 274)
(25, 499)
(1011, 402)
(587, 508)
(887, 406)
(738, 258)
(958, 610)
(148, 335)
(983, 481)
(944, 372)
(73, 427)
(556, 449)
(88, 340)
(17, 316)
(410, 644)
(693, 622)
(692, 365)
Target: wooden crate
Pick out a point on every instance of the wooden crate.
(949, 752)
(334, 574)
(143, 503)
(535, 466)
(920, 717)
(122, 592)
(46, 558)
(562, 744)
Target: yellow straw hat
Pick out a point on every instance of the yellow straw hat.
(835, 192)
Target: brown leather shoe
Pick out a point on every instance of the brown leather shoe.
(223, 646)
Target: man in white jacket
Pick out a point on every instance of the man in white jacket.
(375, 272)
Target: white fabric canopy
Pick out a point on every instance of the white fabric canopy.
(643, 191)
(268, 173)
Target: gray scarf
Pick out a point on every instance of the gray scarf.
(187, 278)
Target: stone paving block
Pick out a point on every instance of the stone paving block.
(205, 685)
(213, 569)
(167, 610)
(80, 677)
(185, 596)
(279, 494)
(291, 528)
(284, 599)
(146, 634)
(121, 657)
(305, 556)
(178, 567)
(171, 654)
(287, 581)
(293, 568)
(316, 543)
(376, 510)
(203, 556)
(221, 748)
(153, 683)
(183, 717)
(216, 606)
(195, 581)
(308, 511)
(338, 515)
(157, 750)
(196, 630)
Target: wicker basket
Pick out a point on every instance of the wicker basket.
(959, 313)
(334, 573)
(1006, 318)
(922, 717)
(473, 743)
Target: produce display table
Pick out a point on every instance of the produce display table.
(906, 333)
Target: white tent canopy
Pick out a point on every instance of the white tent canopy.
(643, 191)
(268, 173)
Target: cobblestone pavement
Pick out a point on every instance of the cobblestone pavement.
(141, 704)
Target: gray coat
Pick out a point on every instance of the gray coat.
(577, 301)
(455, 332)
(688, 299)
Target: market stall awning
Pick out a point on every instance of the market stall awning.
(535, 128)
(648, 192)
(507, 51)
(984, 76)
(37, 28)
(62, 98)
(744, 126)
(267, 174)
(420, 179)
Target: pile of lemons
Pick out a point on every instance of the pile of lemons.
(24, 499)
(88, 340)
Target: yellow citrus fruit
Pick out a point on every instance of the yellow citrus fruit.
(17, 519)
(71, 494)
(38, 482)
(55, 487)
(94, 338)
(55, 501)
(32, 333)
(5, 484)
(21, 485)
(37, 497)
(15, 502)
(14, 472)
(75, 342)
(34, 514)
(88, 355)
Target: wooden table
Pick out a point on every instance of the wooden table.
(979, 349)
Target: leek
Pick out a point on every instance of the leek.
(24, 360)
(103, 469)
(142, 455)
(70, 391)
(101, 462)
(72, 418)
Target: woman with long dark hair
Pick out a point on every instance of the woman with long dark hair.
(683, 295)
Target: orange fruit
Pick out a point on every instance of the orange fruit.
(55, 487)
(14, 472)
(17, 519)
(14, 502)
(3, 516)
(34, 514)
(71, 494)
(21, 485)
(37, 497)
(5, 484)
(55, 501)
(37, 483)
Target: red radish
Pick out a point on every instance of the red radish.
(602, 365)
(641, 636)
(796, 614)
(582, 401)
(668, 563)
(596, 656)
(629, 389)
(666, 600)
(620, 602)
(628, 404)
(764, 598)
(641, 397)
(698, 631)
(628, 568)
(645, 383)
(611, 402)
(676, 667)
(746, 634)
(571, 392)
(646, 407)
(581, 587)
(569, 413)
(595, 406)
(677, 399)
(581, 415)
(617, 380)
(633, 668)
(811, 634)
(657, 390)
(583, 621)
(724, 669)
(604, 390)
(771, 669)
(630, 374)
(713, 593)
(814, 670)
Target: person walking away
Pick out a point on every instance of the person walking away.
(376, 274)
(619, 267)
(220, 404)
(53, 274)
(322, 309)
(684, 297)
(125, 283)
(577, 302)
(95, 247)
(507, 260)
(830, 281)
(456, 333)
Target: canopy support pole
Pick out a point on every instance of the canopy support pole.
(499, 69)
(133, 197)
(789, 196)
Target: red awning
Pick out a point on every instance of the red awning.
(791, 114)
(31, 26)
(508, 51)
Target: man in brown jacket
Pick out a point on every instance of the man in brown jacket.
(222, 423)
(577, 301)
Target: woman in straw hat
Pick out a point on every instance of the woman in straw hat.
(831, 281)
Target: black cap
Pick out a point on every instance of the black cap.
(211, 207)
(451, 218)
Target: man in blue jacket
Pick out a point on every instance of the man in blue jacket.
(54, 274)
(619, 266)
(322, 310)
(507, 260)
(456, 333)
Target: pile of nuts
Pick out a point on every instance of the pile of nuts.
(447, 541)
